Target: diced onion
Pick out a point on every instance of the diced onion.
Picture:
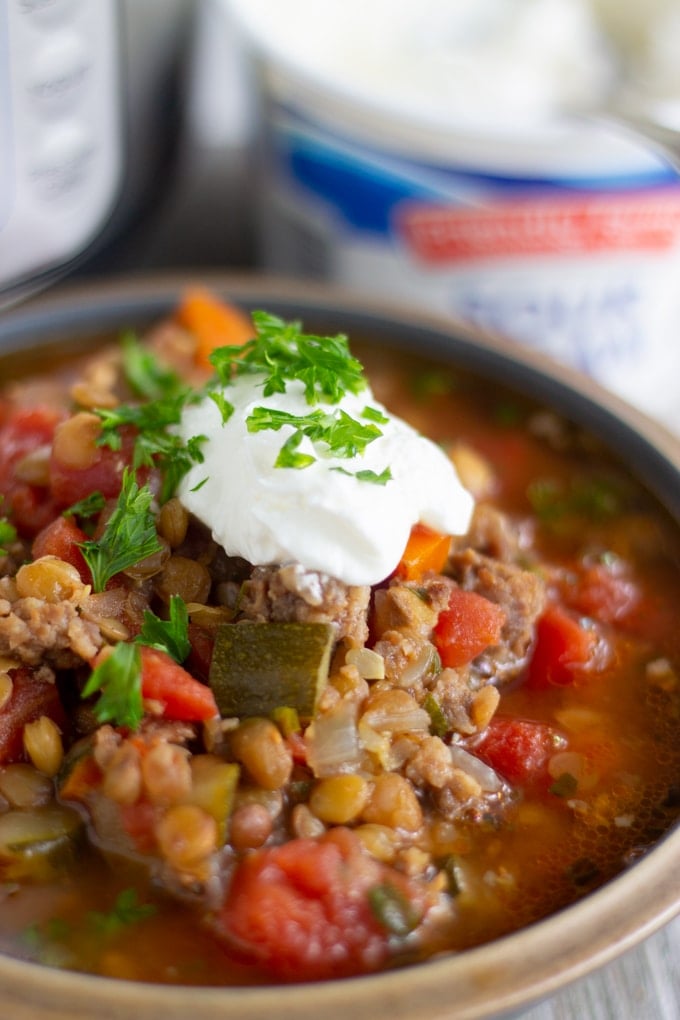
(333, 742)
(487, 778)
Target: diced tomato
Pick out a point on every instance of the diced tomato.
(23, 433)
(180, 694)
(139, 821)
(30, 699)
(519, 749)
(468, 625)
(303, 911)
(603, 592)
(68, 485)
(213, 322)
(565, 649)
(611, 595)
(426, 550)
(62, 538)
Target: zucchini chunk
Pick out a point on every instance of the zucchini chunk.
(259, 667)
(38, 845)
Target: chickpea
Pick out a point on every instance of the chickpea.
(49, 579)
(393, 803)
(166, 773)
(74, 443)
(186, 836)
(258, 745)
(338, 800)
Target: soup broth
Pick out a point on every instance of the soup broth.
(494, 726)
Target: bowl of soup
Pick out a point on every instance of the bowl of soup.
(339, 659)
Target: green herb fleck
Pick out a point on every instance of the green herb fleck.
(145, 375)
(289, 455)
(171, 635)
(8, 534)
(367, 475)
(565, 785)
(225, 408)
(127, 910)
(55, 929)
(343, 435)
(130, 534)
(119, 678)
(90, 506)
(375, 415)
(392, 910)
(438, 721)
(282, 352)
(154, 446)
(595, 499)
(432, 383)
(507, 413)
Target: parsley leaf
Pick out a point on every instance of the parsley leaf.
(155, 446)
(282, 353)
(225, 408)
(172, 635)
(150, 418)
(126, 910)
(596, 499)
(130, 534)
(367, 475)
(87, 507)
(119, 678)
(343, 435)
(8, 534)
(145, 375)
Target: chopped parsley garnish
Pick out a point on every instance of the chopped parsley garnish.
(155, 446)
(225, 408)
(145, 375)
(367, 475)
(55, 938)
(281, 352)
(439, 724)
(119, 678)
(130, 534)
(126, 910)
(170, 636)
(595, 499)
(432, 383)
(90, 506)
(165, 396)
(392, 910)
(8, 534)
(342, 435)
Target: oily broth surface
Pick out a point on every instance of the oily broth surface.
(634, 792)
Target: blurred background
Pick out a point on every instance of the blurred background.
(480, 158)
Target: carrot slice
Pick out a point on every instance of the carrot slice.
(214, 323)
(425, 550)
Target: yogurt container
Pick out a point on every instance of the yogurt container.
(451, 155)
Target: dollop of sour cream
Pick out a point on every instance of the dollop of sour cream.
(321, 517)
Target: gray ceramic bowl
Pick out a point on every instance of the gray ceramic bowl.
(497, 979)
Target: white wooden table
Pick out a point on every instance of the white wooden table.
(644, 984)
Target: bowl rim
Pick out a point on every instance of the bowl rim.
(503, 976)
